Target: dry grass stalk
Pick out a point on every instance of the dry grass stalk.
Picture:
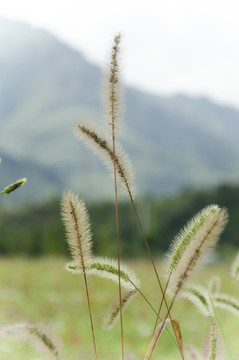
(157, 334)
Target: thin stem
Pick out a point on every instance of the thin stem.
(118, 257)
(85, 279)
(91, 320)
(145, 240)
(117, 230)
(161, 303)
(155, 270)
(164, 321)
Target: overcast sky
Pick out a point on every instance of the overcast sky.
(169, 46)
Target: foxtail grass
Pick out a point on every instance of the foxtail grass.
(76, 220)
(213, 342)
(117, 160)
(98, 142)
(114, 312)
(193, 246)
(188, 252)
(108, 269)
(227, 302)
(191, 249)
(114, 115)
(113, 90)
(198, 295)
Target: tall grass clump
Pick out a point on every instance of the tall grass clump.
(189, 252)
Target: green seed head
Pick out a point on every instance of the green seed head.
(12, 187)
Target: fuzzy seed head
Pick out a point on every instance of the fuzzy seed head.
(213, 343)
(197, 249)
(187, 234)
(214, 349)
(227, 302)
(76, 220)
(198, 295)
(100, 145)
(113, 93)
(108, 269)
(114, 313)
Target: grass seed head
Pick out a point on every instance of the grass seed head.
(194, 245)
(198, 295)
(98, 142)
(113, 88)
(227, 302)
(114, 313)
(76, 220)
(108, 269)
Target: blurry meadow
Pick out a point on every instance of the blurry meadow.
(41, 291)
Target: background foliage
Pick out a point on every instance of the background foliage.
(37, 229)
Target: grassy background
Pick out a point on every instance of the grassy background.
(42, 291)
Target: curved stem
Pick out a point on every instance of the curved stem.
(155, 270)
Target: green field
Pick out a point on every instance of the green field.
(42, 291)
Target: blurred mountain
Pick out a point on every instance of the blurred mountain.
(46, 87)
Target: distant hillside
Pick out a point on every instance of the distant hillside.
(46, 87)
